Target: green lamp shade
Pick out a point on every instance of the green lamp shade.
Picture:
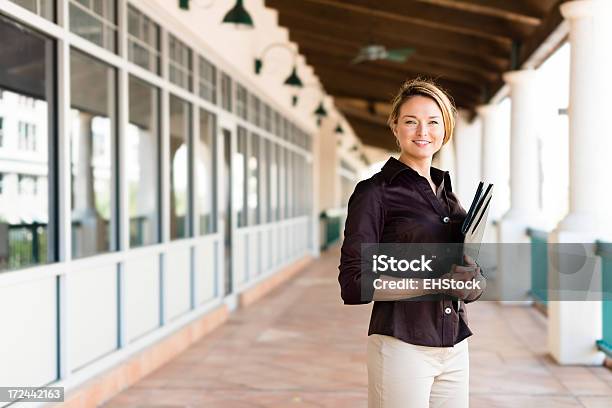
(294, 79)
(184, 4)
(238, 15)
(294, 100)
(339, 129)
(321, 112)
(258, 65)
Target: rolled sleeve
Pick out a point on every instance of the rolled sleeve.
(364, 222)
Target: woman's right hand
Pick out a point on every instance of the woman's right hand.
(466, 273)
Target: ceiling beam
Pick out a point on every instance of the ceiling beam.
(521, 11)
(372, 134)
(431, 16)
(478, 64)
(393, 72)
(334, 22)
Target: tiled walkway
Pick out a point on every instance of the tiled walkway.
(300, 347)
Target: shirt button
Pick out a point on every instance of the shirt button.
(447, 310)
(446, 220)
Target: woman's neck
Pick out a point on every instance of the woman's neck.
(421, 166)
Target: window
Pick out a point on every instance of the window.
(208, 80)
(240, 174)
(277, 123)
(226, 92)
(206, 173)
(96, 21)
(267, 117)
(143, 41)
(142, 163)
(26, 220)
(179, 59)
(273, 182)
(44, 8)
(26, 136)
(1, 131)
(180, 152)
(26, 185)
(241, 101)
(93, 134)
(253, 180)
(254, 109)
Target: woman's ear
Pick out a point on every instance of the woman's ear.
(394, 129)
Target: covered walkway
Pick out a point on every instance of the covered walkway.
(301, 347)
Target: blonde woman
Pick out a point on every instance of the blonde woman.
(417, 349)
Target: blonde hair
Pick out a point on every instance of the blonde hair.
(428, 89)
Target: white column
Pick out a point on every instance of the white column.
(574, 326)
(446, 158)
(514, 262)
(491, 172)
(467, 153)
(491, 153)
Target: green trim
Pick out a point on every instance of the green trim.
(603, 249)
(605, 347)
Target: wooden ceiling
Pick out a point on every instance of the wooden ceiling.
(465, 45)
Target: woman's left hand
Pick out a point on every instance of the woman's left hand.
(474, 294)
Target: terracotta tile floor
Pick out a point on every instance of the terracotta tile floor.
(300, 347)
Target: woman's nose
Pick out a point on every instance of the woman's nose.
(422, 129)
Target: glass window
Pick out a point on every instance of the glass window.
(285, 133)
(273, 182)
(226, 92)
(240, 175)
(264, 169)
(278, 120)
(282, 172)
(44, 8)
(91, 143)
(26, 223)
(208, 80)
(96, 21)
(206, 173)
(143, 41)
(254, 109)
(1, 183)
(179, 60)
(26, 136)
(253, 180)
(288, 184)
(267, 117)
(241, 101)
(142, 163)
(180, 130)
(1, 130)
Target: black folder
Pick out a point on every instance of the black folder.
(473, 227)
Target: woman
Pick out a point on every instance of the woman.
(417, 349)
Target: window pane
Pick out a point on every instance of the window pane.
(208, 80)
(44, 8)
(206, 173)
(254, 110)
(25, 97)
(241, 101)
(239, 183)
(91, 145)
(180, 129)
(253, 180)
(226, 92)
(142, 163)
(264, 169)
(143, 41)
(179, 60)
(95, 21)
(273, 183)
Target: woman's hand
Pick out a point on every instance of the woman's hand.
(468, 272)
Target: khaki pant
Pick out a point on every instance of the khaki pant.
(403, 375)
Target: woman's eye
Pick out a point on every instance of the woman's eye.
(433, 122)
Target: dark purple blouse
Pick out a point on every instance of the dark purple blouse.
(398, 205)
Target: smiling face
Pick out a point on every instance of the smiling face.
(419, 128)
